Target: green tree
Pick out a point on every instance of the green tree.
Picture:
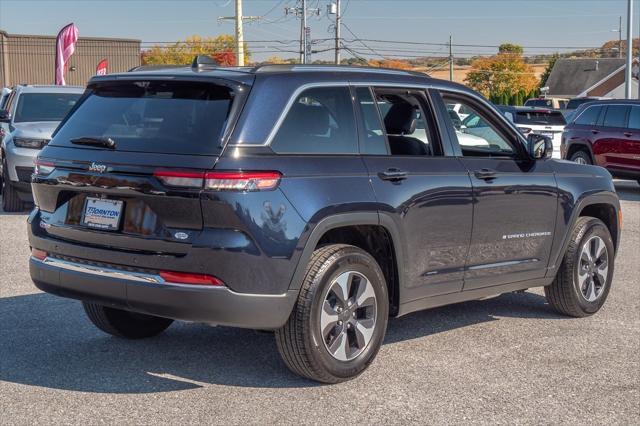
(510, 48)
(547, 71)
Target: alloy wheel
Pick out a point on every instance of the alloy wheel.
(593, 269)
(348, 316)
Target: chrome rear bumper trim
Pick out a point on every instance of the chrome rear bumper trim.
(102, 271)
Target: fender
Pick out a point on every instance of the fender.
(347, 219)
(582, 144)
(586, 199)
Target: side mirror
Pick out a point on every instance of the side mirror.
(540, 147)
(5, 116)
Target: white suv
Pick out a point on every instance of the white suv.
(30, 115)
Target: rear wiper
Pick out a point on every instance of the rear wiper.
(94, 141)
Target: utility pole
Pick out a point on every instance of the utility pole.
(239, 18)
(620, 38)
(628, 70)
(338, 25)
(450, 59)
(305, 31)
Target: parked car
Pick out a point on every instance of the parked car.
(4, 96)
(574, 103)
(537, 120)
(30, 114)
(313, 201)
(606, 133)
(554, 103)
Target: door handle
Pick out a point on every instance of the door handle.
(393, 174)
(628, 134)
(485, 174)
(595, 132)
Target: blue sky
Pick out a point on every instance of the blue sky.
(536, 23)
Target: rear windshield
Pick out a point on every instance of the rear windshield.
(539, 103)
(551, 118)
(44, 106)
(152, 116)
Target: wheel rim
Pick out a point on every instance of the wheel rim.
(593, 269)
(348, 316)
(580, 160)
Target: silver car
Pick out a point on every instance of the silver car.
(30, 115)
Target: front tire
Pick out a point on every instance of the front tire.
(583, 281)
(581, 157)
(126, 324)
(339, 321)
(10, 200)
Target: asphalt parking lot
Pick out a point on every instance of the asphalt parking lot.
(508, 359)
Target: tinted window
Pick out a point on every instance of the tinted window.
(589, 117)
(157, 116)
(539, 103)
(476, 136)
(374, 139)
(320, 121)
(634, 118)
(615, 116)
(409, 132)
(44, 106)
(550, 118)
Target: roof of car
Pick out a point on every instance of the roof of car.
(41, 88)
(613, 101)
(303, 73)
(525, 108)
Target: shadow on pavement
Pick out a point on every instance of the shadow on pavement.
(48, 342)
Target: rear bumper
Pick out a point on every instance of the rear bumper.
(146, 293)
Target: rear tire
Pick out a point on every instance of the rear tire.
(339, 321)
(583, 281)
(10, 200)
(126, 324)
(581, 157)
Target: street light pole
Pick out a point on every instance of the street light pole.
(239, 35)
(628, 70)
(338, 24)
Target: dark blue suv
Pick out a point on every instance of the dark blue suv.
(313, 201)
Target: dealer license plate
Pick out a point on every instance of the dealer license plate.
(102, 213)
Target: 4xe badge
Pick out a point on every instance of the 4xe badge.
(96, 167)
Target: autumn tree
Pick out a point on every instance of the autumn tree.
(220, 48)
(390, 63)
(503, 75)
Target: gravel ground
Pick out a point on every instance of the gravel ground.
(508, 359)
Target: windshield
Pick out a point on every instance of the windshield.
(44, 106)
(551, 118)
(152, 116)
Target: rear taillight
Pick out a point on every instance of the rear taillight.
(190, 279)
(39, 254)
(241, 181)
(43, 167)
(220, 181)
(179, 178)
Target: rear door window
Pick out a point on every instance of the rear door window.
(152, 116)
(634, 118)
(589, 117)
(616, 116)
(320, 121)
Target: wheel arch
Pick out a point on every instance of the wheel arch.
(354, 228)
(580, 146)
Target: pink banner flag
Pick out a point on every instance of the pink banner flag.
(65, 46)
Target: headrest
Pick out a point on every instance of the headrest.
(401, 119)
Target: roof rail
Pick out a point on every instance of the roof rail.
(339, 68)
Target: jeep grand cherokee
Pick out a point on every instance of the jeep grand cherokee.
(313, 201)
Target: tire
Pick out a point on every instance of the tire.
(10, 200)
(581, 157)
(569, 294)
(126, 324)
(302, 344)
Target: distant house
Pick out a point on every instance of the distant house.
(604, 77)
